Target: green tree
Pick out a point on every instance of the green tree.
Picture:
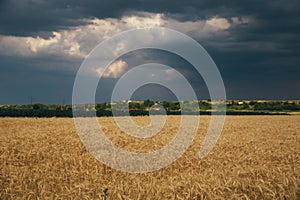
(148, 103)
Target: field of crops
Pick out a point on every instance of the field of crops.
(256, 157)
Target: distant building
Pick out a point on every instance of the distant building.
(156, 107)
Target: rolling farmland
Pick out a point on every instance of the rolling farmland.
(256, 157)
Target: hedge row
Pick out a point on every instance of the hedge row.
(8, 112)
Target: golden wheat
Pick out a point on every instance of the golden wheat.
(256, 157)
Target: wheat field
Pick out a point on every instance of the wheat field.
(256, 157)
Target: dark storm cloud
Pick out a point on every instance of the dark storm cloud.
(30, 17)
(259, 74)
(258, 59)
(45, 80)
(36, 17)
(19, 85)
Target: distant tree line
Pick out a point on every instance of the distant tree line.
(279, 106)
(140, 108)
(36, 110)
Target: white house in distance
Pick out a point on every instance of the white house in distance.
(240, 103)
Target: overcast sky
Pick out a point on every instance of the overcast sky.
(255, 45)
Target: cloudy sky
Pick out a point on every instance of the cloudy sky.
(255, 45)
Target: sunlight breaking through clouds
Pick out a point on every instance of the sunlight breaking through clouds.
(115, 70)
(78, 41)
